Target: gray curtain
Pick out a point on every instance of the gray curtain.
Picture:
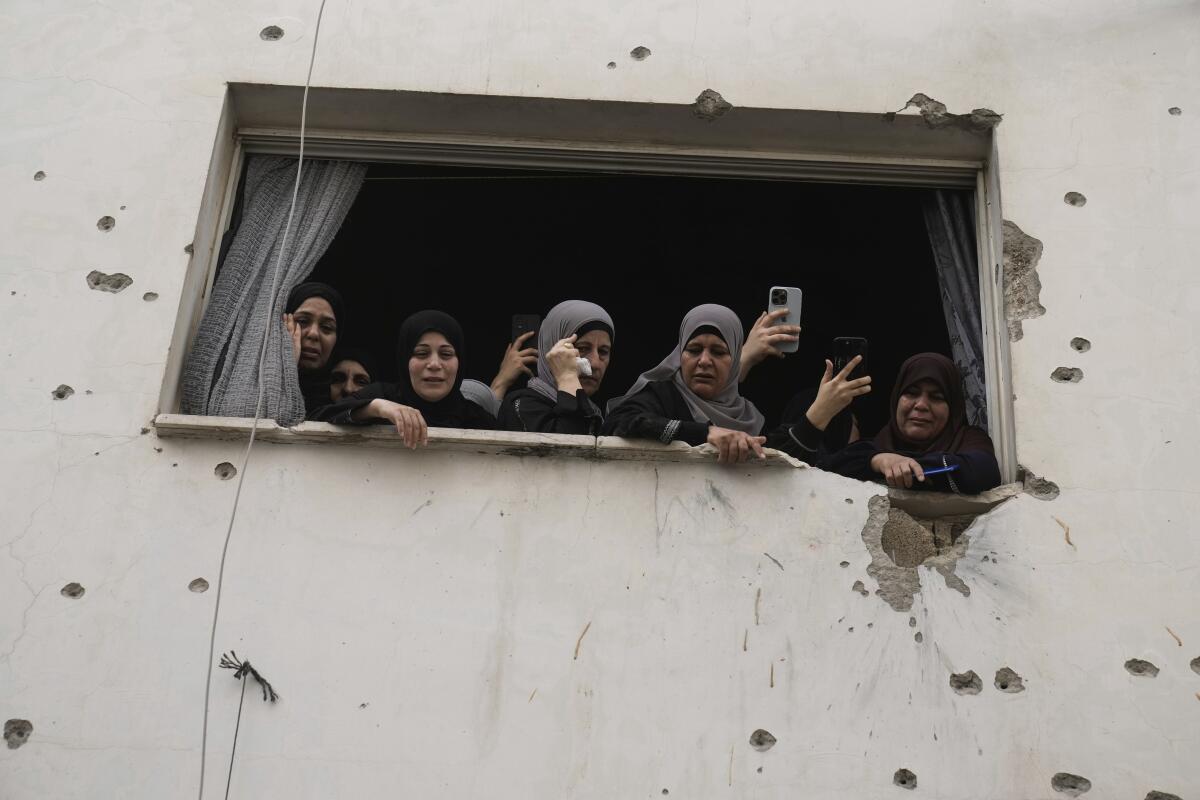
(221, 374)
(950, 221)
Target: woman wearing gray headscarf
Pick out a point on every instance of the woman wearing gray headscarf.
(559, 399)
(692, 396)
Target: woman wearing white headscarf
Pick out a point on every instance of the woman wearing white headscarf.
(559, 398)
(692, 396)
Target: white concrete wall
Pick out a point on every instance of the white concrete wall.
(444, 619)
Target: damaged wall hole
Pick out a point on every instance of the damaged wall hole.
(103, 282)
(860, 588)
(762, 741)
(639, 53)
(225, 470)
(1039, 488)
(1157, 795)
(979, 120)
(1075, 199)
(710, 105)
(271, 33)
(62, 392)
(1067, 375)
(966, 682)
(1080, 345)
(1140, 668)
(39, 176)
(1174, 111)
(1009, 681)
(16, 732)
(905, 779)
(150, 297)
(612, 65)
(1022, 286)
(72, 590)
(106, 223)
(1070, 785)
(1196, 665)
(198, 585)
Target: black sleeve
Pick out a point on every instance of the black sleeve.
(977, 469)
(854, 461)
(339, 413)
(478, 418)
(529, 411)
(800, 439)
(649, 415)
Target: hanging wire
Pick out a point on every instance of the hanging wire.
(262, 355)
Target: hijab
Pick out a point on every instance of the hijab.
(450, 410)
(481, 395)
(567, 318)
(957, 435)
(357, 354)
(728, 409)
(315, 289)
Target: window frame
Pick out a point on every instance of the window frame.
(655, 139)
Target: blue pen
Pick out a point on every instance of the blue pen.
(940, 470)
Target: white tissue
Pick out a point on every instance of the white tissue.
(585, 367)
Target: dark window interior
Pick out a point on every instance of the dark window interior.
(484, 244)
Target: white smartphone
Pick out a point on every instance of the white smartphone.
(791, 298)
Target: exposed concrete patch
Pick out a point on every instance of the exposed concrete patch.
(899, 545)
(225, 470)
(16, 732)
(860, 588)
(1174, 111)
(905, 779)
(72, 590)
(106, 224)
(966, 682)
(762, 741)
(1156, 795)
(1067, 375)
(150, 297)
(271, 33)
(639, 53)
(710, 105)
(1009, 681)
(39, 176)
(1037, 487)
(103, 282)
(1075, 199)
(1080, 345)
(198, 585)
(1022, 286)
(980, 120)
(62, 392)
(1140, 668)
(1070, 785)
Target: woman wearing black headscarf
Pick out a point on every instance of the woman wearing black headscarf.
(927, 430)
(818, 422)
(427, 394)
(692, 395)
(311, 317)
(351, 369)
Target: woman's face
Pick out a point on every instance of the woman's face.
(922, 412)
(432, 367)
(705, 364)
(346, 378)
(318, 332)
(596, 347)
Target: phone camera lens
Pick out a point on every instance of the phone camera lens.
(779, 297)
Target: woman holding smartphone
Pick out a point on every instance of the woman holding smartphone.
(692, 395)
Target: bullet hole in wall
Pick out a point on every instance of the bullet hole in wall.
(1009, 681)
(106, 223)
(271, 33)
(966, 682)
(858, 587)
(762, 741)
(912, 622)
(1140, 668)
(1174, 111)
(1022, 286)
(103, 282)
(150, 297)
(72, 590)
(1070, 785)
(905, 779)
(1156, 795)
(979, 120)
(1067, 375)
(187, 248)
(1075, 199)
(198, 585)
(639, 53)
(844, 564)
(612, 65)
(225, 470)
(1039, 488)
(39, 176)
(710, 105)
(849, 501)
(1196, 665)
(16, 732)
(1080, 345)
(918, 638)
(62, 392)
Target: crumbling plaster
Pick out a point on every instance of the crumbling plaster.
(445, 624)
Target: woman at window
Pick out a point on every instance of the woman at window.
(351, 369)
(559, 398)
(818, 423)
(926, 430)
(427, 394)
(692, 395)
(311, 316)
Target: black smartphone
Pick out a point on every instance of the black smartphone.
(524, 323)
(845, 348)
